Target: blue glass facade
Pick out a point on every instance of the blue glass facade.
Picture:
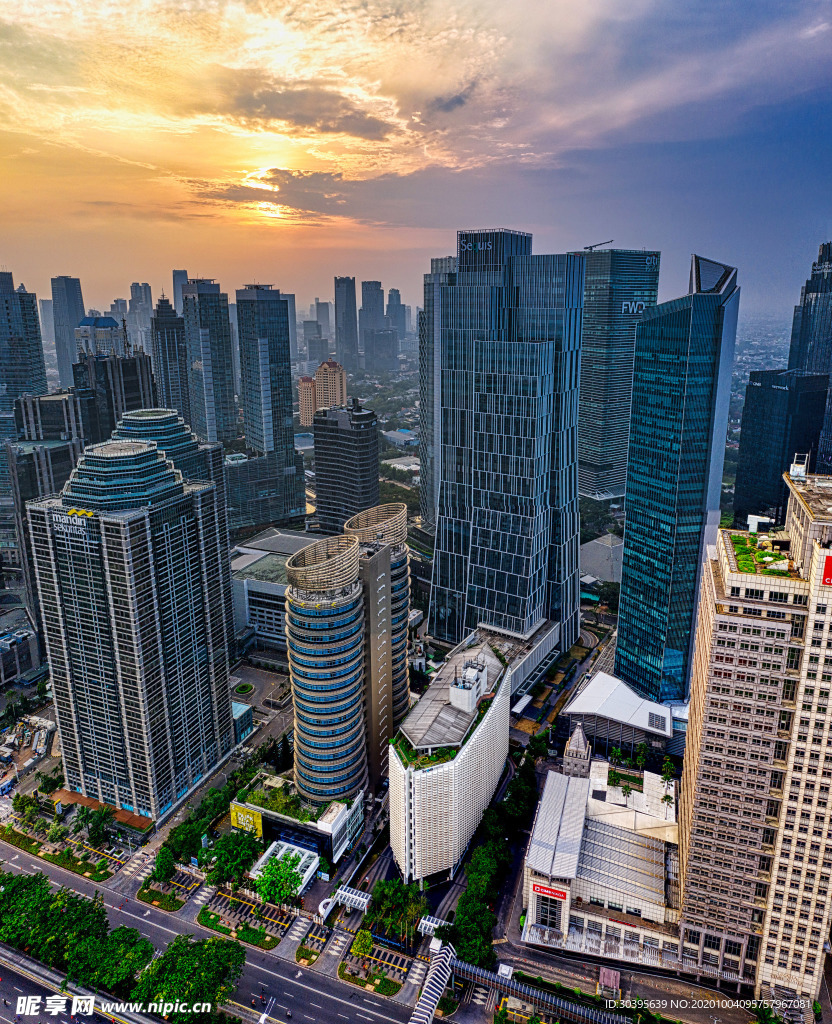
(508, 331)
(620, 285)
(681, 390)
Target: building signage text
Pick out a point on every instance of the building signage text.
(544, 890)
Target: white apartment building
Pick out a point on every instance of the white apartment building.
(447, 758)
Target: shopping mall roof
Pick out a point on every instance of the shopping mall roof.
(266, 567)
(555, 845)
(608, 697)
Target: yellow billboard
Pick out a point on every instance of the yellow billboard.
(247, 820)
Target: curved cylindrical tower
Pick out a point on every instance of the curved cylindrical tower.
(387, 524)
(325, 639)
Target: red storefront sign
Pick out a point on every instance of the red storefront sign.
(544, 890)
(827, 571)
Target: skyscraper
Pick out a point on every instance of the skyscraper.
(323, 314)
(67, 312)
(129, 568)
(620, 285)
(118, 384)
(210, 366)
(293, 324)
(507, 329)
(317, 346)
(346, 324)
(442, 272)
(381, 351)
(306, 401)
(681, 391)
(396, 312)
(811, 344)
(180, 279)
(754, 829)
(782, 415)
(325, 599)
(170, 358)
(47, 322)
(263, 321)
(371, 314)
(139, 312)
(330, 385)
(102, 334)
(346, 464)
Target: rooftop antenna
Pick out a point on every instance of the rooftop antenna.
(592, 248)
(126, 336)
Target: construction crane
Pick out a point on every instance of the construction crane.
(592, 248)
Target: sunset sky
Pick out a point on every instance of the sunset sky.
(291, 141)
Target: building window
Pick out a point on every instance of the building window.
(548, 912)
(656, 721)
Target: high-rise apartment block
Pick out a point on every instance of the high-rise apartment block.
(442, 273)
(169, 355)
(679, 421)
(346, 463)
(346, 324)
(67, 312)
(263, 324)
(317, 346)
(507, 329)
(210, 360)
(328, 388)
(782, 414)
(756, 825)
(306, 401)
(620, 285)
(130, 574)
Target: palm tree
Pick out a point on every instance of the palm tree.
(626, 790)
(667, 800)
(615, 755)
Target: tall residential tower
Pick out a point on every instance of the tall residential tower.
(210, 360)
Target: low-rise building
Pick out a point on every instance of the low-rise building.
(612, 715)
(577, 755)
(270, 808)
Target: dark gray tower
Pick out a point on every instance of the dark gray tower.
(371, 314)
(346, 463)
(210, 360)
(346, 324)
(170, 358)
(67, 312)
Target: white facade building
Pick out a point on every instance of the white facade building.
(447, 759)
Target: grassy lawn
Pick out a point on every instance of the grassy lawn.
(307, 954)
(87, 868)
(11, 835)
(162, 900)
(385, 987)
(256, 937)
(635, 781)
(211, 920)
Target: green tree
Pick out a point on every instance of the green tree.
(112, 962)
(667, 800)
(42, 688)
(613, 779)
(280, 881)
(668, 771)
(191, 971)
(615, 755)
(501, 1016)
(538, 745)
(57, 832)
(165, 867)
(81, 819)
(47, 784)
(534, 1019)
(285, 753)
(626, 790)
(642, 755)
(234, 853)
(363, 943)
(98, 826)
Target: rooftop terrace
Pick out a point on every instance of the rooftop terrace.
(755, 554)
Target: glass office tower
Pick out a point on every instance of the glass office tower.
(67, 312)
(210, 360)
(346, 324)
(681, 391)
(170, 358)
(508, 330)
(620, 285)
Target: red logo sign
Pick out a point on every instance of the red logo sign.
(544, 890)
(827, 571)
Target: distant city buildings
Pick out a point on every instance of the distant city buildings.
(782, 414)
(371, 313)
(139, 312)
(620, 285)
(317, 346)
(169, 355)
(346, 324)
(180, 279)
(130, 573)
(210, 360)
(505, 366)
(67, 312)
(346, 463)
(681, 391)
(326, 389)
(381, 351)
(397, 312)
(755, 857)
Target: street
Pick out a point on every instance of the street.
(309, 996)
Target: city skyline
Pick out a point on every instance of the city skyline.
(304, 144)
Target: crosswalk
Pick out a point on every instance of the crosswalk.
(204, 895)
(480, 996)
(339, 944)
(299, 928)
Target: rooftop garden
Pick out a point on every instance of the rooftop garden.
(421, 758)
(759, 558)
(281, 799)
